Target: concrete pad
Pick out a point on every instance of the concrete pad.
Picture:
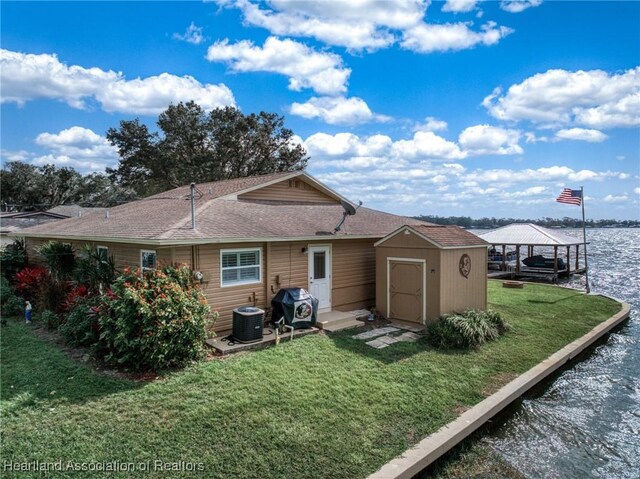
(348, 323)
(223, 346)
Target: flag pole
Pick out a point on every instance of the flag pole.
(584, 238)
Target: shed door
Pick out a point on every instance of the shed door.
(406, 290)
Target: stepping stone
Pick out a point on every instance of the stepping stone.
(375, 332)
(408, 337)
(376, 343)
(388, 339)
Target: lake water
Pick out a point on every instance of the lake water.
(586, 422)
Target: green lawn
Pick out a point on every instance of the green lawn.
(323, 406)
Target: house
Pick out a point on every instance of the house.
(11, 222)
(14, 221)
(249, 237)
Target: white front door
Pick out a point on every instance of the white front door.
(320, 275)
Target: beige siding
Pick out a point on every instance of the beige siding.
(225, 299)
(284, 265)
(460, 293)
(354, 274)
(125, 255)
(290, 191)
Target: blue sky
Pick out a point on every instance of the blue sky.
(478, 108)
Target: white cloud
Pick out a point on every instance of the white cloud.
(337, 110)
(517, 6)
(77, 147)
(8, 155)
(367, 24)
(152, 95)
(615, 199)
(547, 174)
(26, 77)
(581, 134)
(427, 38)
(427, 145)
(459, 6)
(347, 149)
(61, 161)
(636, 191)
(79, 143)
(490, 140)
(193, 34)
(431, 124)
(356, 25)
(620, 157)
(592, 98)
(305, 67)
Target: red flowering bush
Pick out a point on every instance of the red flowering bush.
(30, 280)
(153, 320)
(76, 294)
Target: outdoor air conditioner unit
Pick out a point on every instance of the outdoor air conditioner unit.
(247, 324)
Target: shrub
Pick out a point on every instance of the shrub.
(94, 270)
(13, 258)
(29, 281)
(74, 296)
(467, 330)
(153, 320)
(10, 304)
(81, 327)
(51, 319)
(58, 258)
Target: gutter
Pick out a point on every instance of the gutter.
(186, 242)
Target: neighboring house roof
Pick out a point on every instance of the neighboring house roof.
(165, 218)
(445, 237)
(72, 211)
(529, 234)
(31, 214)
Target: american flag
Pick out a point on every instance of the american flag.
(571, 197)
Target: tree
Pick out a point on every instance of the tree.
(25, 187)
(28, 187)
(193, 145)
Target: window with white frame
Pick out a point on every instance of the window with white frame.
(148, 259)
(103, 253)
(240, 266)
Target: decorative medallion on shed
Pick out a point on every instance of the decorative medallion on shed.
(465, 265)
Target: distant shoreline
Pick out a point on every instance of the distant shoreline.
(493, 223)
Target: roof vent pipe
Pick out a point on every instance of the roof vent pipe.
(193, 206)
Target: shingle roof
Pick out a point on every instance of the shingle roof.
(529, 234)
(167, 218)
(449, 236)
(217, 189)
(74, 210)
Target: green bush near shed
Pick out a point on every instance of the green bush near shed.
(467, 330)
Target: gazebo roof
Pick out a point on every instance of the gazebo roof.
(529, 234)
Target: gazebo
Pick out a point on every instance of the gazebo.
(531, 236)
